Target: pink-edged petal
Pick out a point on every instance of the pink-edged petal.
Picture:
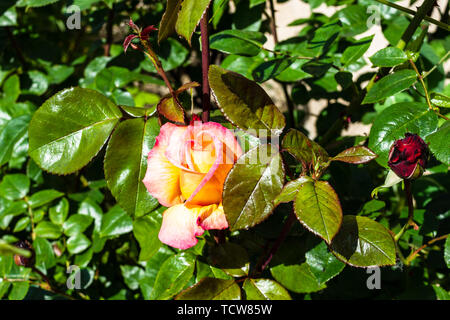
(180, 227)
(214, 220)
(162, 178)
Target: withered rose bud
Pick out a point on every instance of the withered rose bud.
(408, 156)
(21, 260)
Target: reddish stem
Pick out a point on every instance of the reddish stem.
(206, 91)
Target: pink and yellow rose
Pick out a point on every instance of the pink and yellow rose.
(186, 171)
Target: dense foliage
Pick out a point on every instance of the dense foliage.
(79, 115)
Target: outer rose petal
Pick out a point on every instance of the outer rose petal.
(215, 220)
(210, 193)
(179, 227)
(162, 178)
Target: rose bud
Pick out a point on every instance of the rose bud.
(408, 156)
(21, 260)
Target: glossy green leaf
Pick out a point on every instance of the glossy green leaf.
(7, 249)
(355, 155)
(146, 230)
(241, 42)
(70, 128)
(169, 19)
(19, 290)
(48, 230)
(447, 252)
(45, 257)
(245, 103)
(231, 258)
(318, 208)
(440, 100)
(393, 122)
(264, 289)
(290, 189)
(212, 289)
(43, 197)
(125, 167)
(59, 212)
(388, 57)
(116, 222)
(189, 17)
(78, 243)
(302, 148)
(173, 276)
(322, 263)
(296, 278)
(14, 186)
(76, 223)
(439, 143)
(356, 50)
(10, 134)
(362, 242)
(252, 186)
(390, 85)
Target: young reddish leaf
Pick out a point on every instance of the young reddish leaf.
(127, 41)
(356, 155)
(171, 110)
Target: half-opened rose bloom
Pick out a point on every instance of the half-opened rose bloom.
(408, 156)
(186, 171)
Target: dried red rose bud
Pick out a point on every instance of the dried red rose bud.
(21, 260)
(408, 156)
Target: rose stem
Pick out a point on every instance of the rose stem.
(409, 200)
(415, 253)
(261, 266)
(206, 91)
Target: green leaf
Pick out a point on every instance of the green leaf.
(270, 69)
(78, 243)
(48, 230)
(296, 278)
(14, 186)
(322, 263)
(125, 167)
(189, 17)
(290, 190)
(355, 155)
(173, 275)
(241, 42)
(245, 103)
(70, 128)
(318, 208)
(362, 242)
(439, 143)
(356, 50)
(43, 197)
(390, 85)
(7, 249)
(146, 230)
(19, 290)
(231, 258)
(212, 289)
(59, 212)
(264, 289)
(441, 293)
(76, 223)
(45, 257)
(393, 122)
(252, 186)
(440, 100)
(39, 3)
(388, 57)
(302, 148)
(116, 222)
(10, 134)
(169, 19)
(447, 252)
